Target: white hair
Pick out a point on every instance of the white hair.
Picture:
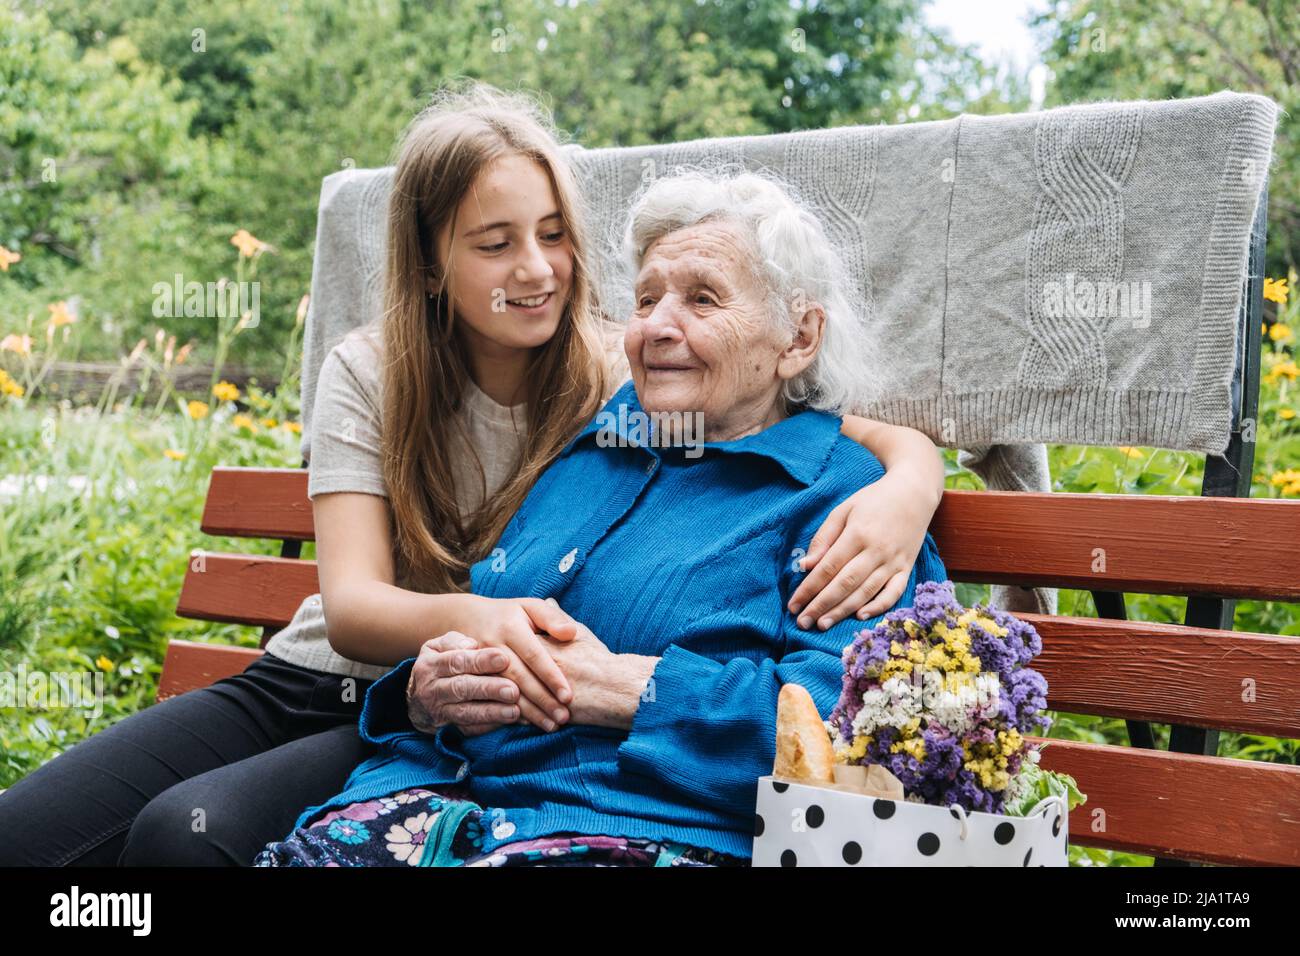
(792, 253)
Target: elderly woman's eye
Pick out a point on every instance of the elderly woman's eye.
(705, 297)
(644, 300)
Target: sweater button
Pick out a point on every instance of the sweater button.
(503, 830)
(566, 562)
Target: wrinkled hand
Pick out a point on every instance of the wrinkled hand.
(607, 687)
(456, 682)
(862, 555)
(519, 627)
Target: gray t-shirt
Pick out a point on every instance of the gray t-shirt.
(346, 457)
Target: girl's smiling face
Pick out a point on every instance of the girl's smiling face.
(511, 260)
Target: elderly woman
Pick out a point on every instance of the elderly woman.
(677, 561)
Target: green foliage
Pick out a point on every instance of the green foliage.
(97, 524)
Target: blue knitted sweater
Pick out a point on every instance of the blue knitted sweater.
(691, 559)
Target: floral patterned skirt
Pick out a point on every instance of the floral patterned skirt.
(423, 827)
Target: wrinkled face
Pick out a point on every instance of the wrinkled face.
(511, 259)
(701, 337)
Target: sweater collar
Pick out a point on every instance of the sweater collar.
(801, 444)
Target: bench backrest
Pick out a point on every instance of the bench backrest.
(1188, 806)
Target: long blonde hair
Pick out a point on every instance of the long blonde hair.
(446, 146)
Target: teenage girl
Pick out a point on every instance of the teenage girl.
(429, 428)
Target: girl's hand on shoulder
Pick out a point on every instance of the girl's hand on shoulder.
(861, 558)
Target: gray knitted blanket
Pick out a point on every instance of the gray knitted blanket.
(1072, 275)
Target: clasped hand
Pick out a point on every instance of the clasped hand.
(528, 662)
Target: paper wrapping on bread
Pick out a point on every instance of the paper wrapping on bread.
(804, 753)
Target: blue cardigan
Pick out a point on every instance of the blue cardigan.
(691, 559)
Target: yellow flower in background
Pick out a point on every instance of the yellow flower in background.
(1286, 413)
(1275, 290)
(174, 455)
(1281, 332)
(197, 410)
(249, 245)
(269, 422)
(1131, 452)
(1282, 370)
(104, 664)
(293, 427)
(1288, 481)
(7, 258)
(226, 391)
(60, 315)
(22, 344)
(8, 386)
(243, 421)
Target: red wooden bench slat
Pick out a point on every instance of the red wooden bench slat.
(251, 589)
(190, 665)
(1227, 547)
(258, 503)
(1204, 809)
(1169, 673)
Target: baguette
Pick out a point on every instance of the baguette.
(803, 747)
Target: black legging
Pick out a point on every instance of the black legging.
(204, 779)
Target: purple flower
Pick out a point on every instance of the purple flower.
(939, 775)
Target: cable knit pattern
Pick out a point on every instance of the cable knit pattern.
(1082, 160)
(841, 165)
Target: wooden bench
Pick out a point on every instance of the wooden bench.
(1190, 806)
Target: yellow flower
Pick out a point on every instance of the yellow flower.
(197, 409)
(60, 314)
(858, 749)
(243, 421)
(22, 344)
(1281, 370)
(1286, 413)
(8, 386)
(269, 422)
(1275, 290)
(104, 664)
(225, 391)
(1131, 452)
(1280, 332)
(249, 245)
(174, 455)
(293, 427)
(7, 259)
(1288, 481)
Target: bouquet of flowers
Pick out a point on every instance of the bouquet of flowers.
(941, 696)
